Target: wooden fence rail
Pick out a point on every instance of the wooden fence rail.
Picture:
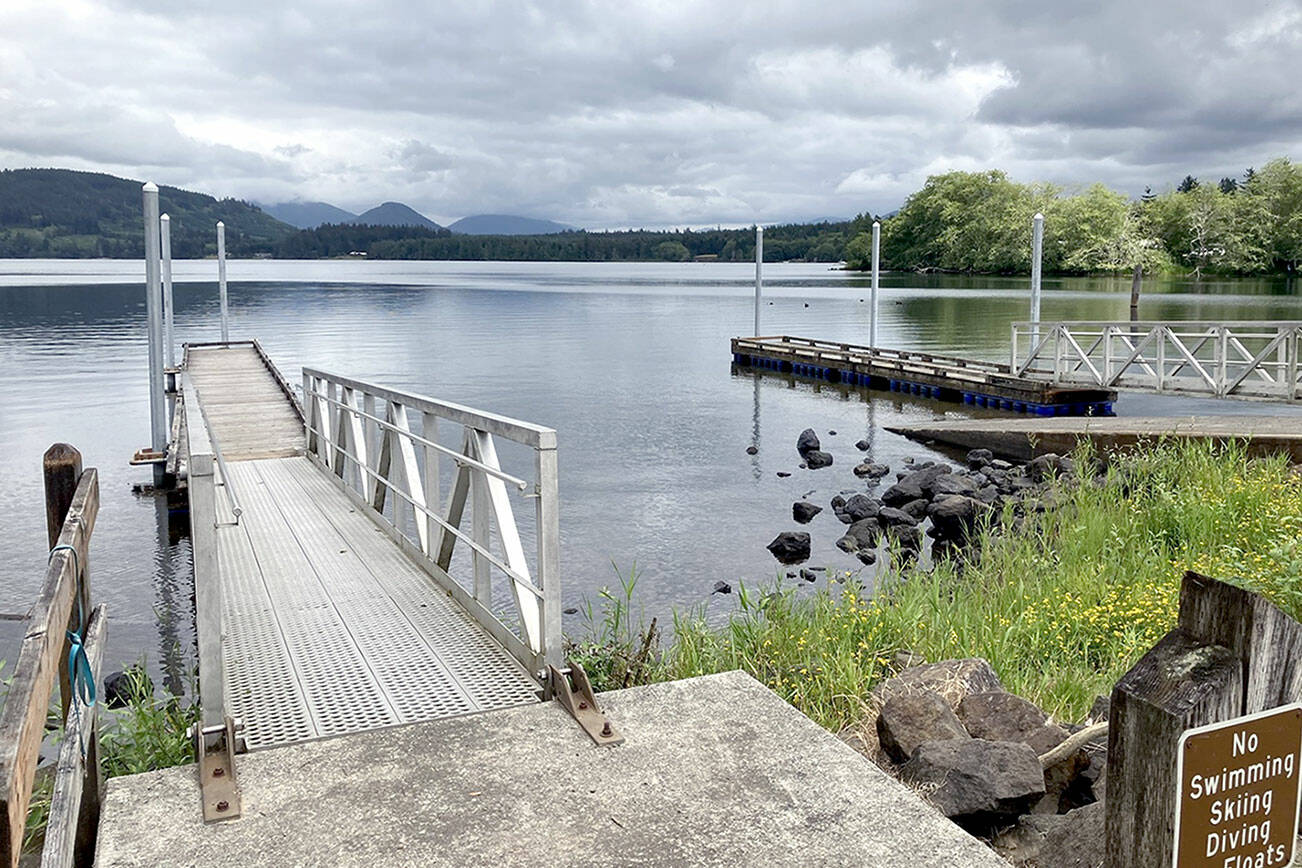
(72, 504)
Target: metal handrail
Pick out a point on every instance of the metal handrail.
(227, 485)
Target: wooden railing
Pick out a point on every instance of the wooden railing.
(362, 435)
(63, 607)
(1225, 360)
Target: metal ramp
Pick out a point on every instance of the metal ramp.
(325, 597)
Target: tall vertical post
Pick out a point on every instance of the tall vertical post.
(877, 252)
(1037, 255)
(153, 307)
(221, 278)
(759, 274)
(165, 225)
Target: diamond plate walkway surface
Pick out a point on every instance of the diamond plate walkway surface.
(331, 629)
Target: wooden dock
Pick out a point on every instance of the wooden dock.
(322, 609)
(946, 378)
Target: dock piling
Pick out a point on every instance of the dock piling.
(1037, 255)
(221, 279)
(877, 246)
(165, 225)
(759, 273)
(158, 421)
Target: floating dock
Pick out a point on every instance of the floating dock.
(946, 378)
(1023, 439)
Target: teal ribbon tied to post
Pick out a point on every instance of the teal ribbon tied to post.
(79, 672)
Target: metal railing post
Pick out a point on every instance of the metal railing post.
(872, 316)
(1163, 334)
(549, 568)
(1223, 358)
(165, 224)
(221, 280)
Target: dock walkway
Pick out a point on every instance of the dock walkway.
(320, 611)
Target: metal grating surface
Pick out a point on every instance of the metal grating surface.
(329, 628)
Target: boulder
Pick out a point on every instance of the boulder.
(1001, 716)
(978, 458)
(953, 679)
(1078, 842)
(807, 442)
(862, 535)
(873, 470)
(976, 783)
(863, 445)
(817, 459)
(790, 547)
(955, 516)
(901, 493)
(865, 556)
(1045, 466)
(1021, 844)
(951, 483)
(803, 512)
(916, 508)
(123, 686)
(752, 450)
(908, 720)
(809, 575)
(890, 517)
(909, 537)
(722, 587)
(861, 506)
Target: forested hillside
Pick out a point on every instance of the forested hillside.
(67, 214)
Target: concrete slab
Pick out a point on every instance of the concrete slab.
(715, 771)
(1023, 439)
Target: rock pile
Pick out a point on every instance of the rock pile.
(974, 750)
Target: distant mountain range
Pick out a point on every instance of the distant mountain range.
(507, 224)
(308, 215)
(394, 214)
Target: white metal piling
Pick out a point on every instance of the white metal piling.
(165, 224)
(221, 279)
(759, 274)
(153, 304)
(877, 250)
(1037, 254)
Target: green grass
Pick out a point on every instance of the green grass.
(1061, 607)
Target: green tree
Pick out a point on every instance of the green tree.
(672, 251)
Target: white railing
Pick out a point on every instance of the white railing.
(363, 436)
(1226, 360)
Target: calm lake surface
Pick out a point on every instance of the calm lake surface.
(628, 362)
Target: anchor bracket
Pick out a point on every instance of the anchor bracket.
(574, 693)
(215, 748)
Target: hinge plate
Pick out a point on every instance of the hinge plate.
(581, 704)
(218, 787)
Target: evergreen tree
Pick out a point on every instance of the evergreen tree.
(1188, 185)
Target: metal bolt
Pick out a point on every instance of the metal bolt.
(218, 772)
(606, 730)
(582, 704)
(223, 805)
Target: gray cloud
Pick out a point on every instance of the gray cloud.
(674, 113)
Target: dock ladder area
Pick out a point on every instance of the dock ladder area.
(325, 557)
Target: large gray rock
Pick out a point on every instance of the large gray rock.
(817, 459)
(976, 783)
(909, 720)
(1021, 844)
(860, 536)
(978, 458)
(807, 442)
(803, 512)
(1077, 843)
(952, 679)
(890, 517)
(861, 506)
(955, 516)
(951, 483)
(1045, 466)
(1002, 716)
(790, 547)
(901, 493)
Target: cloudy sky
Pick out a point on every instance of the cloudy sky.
(644, 113)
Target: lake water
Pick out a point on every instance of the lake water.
(628, 362)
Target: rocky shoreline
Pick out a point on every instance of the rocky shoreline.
(945, 503)
(991, 761)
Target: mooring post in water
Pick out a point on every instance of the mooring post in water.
(165, 225)
(877, 249)
(759, 273)
(221, 278)
(1037, 254)
(1136, 281)
(153, 305)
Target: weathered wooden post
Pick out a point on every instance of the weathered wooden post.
(759, 274)
(872, 317)
(221, 279)
(61, 468)
(1136, 281)
(1232, 653)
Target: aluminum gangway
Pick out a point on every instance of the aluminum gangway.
(1233, 359)
(335, 591)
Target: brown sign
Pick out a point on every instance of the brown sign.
(1238, 799)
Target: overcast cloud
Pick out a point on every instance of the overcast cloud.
(655, 113)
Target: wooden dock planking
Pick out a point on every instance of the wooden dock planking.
(244, 402)
(984, 384)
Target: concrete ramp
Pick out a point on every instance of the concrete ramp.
(715, 771)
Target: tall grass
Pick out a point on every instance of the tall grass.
(1060, 602)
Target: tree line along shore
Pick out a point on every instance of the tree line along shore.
(959, 222)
